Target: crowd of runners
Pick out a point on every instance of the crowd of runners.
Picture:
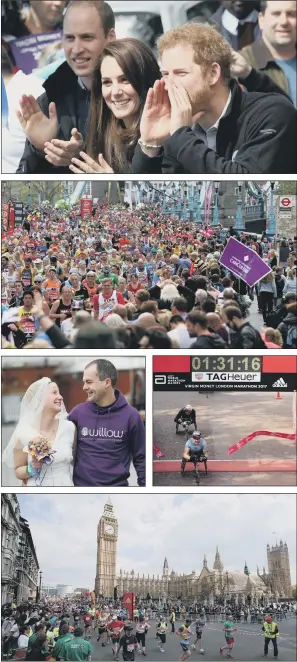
(122, 278)
(57, 629)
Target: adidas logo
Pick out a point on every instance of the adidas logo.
(280, 383)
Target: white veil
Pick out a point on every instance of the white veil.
(30, 417)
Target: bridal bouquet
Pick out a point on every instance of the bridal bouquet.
(41, 449)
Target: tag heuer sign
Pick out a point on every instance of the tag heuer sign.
(286, 203)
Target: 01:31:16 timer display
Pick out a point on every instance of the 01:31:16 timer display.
(223, 363)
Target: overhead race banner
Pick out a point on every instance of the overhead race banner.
(224, 373)
(244, 262)
(86, 207)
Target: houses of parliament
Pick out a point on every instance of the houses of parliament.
(209, 584)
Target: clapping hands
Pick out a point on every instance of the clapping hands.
(41, 131)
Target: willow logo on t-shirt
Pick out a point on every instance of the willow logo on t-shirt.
(102, 432)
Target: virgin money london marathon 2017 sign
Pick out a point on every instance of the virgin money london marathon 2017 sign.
(244, 262)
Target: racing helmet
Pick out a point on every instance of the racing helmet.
(188, 407)
(268, 619)
(196, 434)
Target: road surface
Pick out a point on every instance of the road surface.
(249, 643)
(224, 418)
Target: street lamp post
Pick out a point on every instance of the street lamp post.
(38, 596)
(271, 229)
(173, 209)
(191, 200)
(199, 185)
(185, 200)
(227, 579)
(216, 214)
(238, 220)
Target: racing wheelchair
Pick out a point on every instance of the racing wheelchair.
(195, 458)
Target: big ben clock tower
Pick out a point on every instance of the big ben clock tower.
(107, 536)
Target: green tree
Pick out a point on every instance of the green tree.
(286, 188)
(294, 592)
(38, 191)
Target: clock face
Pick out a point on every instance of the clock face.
(108, 529)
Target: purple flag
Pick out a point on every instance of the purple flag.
(244, 262)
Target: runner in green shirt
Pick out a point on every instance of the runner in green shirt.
(78, 649)
(229, 629)
(65, 636)
(107, 274)
(37, 641)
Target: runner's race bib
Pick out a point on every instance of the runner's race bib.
(130, 648)
(27, 325)
(53, 294)
(26, 279)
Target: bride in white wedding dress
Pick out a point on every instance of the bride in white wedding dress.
(42, 413)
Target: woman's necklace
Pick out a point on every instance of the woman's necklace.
(51, 431)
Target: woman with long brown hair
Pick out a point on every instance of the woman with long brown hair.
(126, 70)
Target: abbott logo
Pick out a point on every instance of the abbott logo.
(160, 379)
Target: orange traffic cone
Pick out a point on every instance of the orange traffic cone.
(278, 396)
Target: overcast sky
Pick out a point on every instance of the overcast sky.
(152, 526)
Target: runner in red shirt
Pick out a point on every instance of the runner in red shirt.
(115, 627)
(106, 300)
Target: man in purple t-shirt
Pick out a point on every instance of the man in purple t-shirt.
(110, 433)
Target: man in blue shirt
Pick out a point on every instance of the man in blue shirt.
(194, 449)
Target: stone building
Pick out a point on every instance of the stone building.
(20, 568)
(27, 566)
(278, 577)
(107, 537)
(209, 585)
(10, 532)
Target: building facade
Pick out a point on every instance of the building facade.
(209, 585)
(107, 537)
(278, 577)
(63, 590)
(27, 567)
(20, 568)
(10, 532)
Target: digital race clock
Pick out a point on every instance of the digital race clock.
(226, 363)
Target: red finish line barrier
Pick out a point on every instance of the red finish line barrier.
(259, 433)
(158, 452)
(236, 466)
(255, 466)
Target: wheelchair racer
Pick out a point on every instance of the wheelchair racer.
(186, 415)
(195, 450)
